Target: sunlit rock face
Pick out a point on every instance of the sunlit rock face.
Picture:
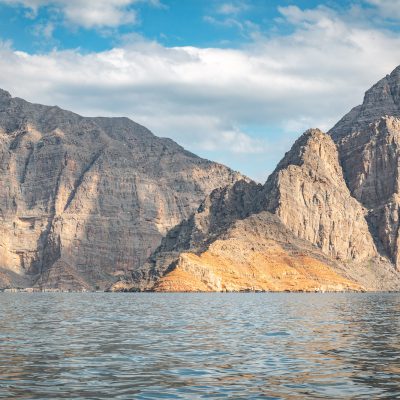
(102, 202)
(308, 193)
(86, 200)
(338, 192)
(302, 231)
(368, 141)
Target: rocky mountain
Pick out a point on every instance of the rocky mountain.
(326, 219)
(302, 230)
(225, 247)
(308, 193)
(368, 141)
(86, 200)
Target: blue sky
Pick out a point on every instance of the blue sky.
(234, 81)
(172, 23)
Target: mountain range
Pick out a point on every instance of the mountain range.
(102, 203)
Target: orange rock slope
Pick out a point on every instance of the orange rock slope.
(245, 260)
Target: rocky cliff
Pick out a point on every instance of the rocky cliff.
(302, 230)
(308, 193)
(230, 245)
(85, 200)
(337, 192)
(368, 140)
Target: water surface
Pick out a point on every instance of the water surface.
(148, 345)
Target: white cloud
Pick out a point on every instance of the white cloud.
(209, 99)
(232, 8)
(44, 30)
(387, 8)
(88, 13)
(228, 15)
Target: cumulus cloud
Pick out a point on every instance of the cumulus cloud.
(210, 99)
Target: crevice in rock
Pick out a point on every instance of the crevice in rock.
(79, 181)
(25, 169)
(47, 255)
(15, 142)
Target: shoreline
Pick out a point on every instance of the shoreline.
(15, 290)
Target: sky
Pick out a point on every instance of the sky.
(232, 81)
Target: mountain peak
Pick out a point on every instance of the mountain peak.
(312, 142)
(380, 100)
(4, 95)
(108, 181)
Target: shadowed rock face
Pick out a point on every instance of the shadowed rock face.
(368, 141)
(89, 199)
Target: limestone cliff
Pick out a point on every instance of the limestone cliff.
(215, 216)
(382, 99)
(317, 239)
(85, 200)
(257, 254)
(368, 141)
(227, 246)
(338, 192)
(308, 193)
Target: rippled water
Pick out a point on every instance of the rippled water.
(144, 346)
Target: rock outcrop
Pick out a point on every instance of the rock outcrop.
(382, 99)
(256, 254)
(368, 141)
(228, 246)
(92, 202)
(302, 230)
(85, 200)
(216, 214)
(308, 193)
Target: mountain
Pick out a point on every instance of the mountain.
(86, 200)
(102, 202)
(368, 141)
(220, 248)
(326, 219)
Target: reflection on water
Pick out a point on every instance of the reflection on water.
(144, 346)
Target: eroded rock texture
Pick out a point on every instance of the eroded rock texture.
(308, 193)
(85, 200)
(368, 140)
(250, 252)
(257, 253)
(302, 230)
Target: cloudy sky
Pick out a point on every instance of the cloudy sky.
(233, 81)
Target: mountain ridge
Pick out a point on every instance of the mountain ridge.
(316, 192)
(100, 202)
(91, 196)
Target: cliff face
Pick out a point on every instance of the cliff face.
(368, 140)
(229, 245)
(84, 200)
(302, 230)
(216, 214)
(256, 253)
(308, 193)
(382, 99)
